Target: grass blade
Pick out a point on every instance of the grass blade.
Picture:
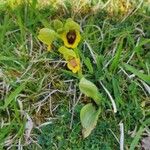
(136, 139)
(12, 96)
(142, 76)
(115, 62)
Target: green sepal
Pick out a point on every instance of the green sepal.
(47, 36)
(57, 24)
(71, 25)
(67, 53)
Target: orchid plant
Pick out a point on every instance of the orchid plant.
(69, 33)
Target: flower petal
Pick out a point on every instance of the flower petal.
(67, 53)
(70, 24)
(74, 65)
(47, 35)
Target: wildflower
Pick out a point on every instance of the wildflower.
(71, 34)
(73, 62)
(47, 36)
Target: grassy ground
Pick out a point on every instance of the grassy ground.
(38, 92)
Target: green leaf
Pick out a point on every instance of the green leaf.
(90, 90)
(142, 76)
(88, 116)
(47, 36)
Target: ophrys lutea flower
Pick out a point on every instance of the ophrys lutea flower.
(73, 62)
(71, 34)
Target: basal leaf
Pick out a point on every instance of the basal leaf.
(89, 116)
(90, 90)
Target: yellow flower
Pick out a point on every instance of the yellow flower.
(71, 34)
(74, 64)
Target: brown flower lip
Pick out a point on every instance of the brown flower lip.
(73, 63)
(71, 36)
